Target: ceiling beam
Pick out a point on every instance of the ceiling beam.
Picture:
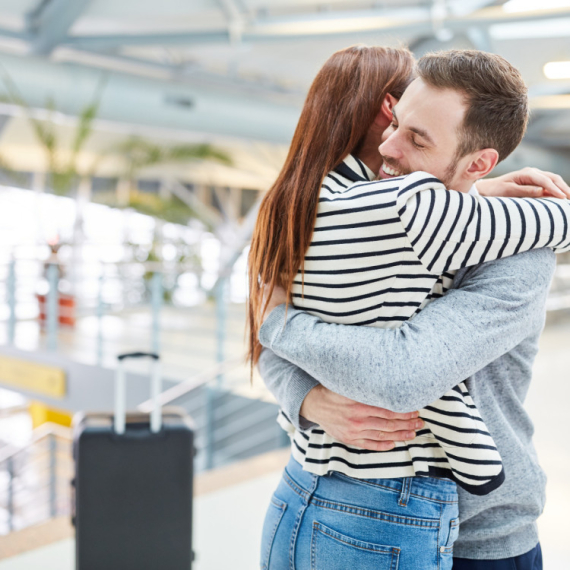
(194, 75)
(324, 24)
(51, 21)
(236, 20)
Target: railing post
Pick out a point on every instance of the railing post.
(52, 442)
(221, 318)
(156, 300)
(10, 505)
(52, 312)
(212, 392)
(100, 320)
(11, 294)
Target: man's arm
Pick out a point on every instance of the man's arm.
(303, 399)
(288, 384)
(407, 368)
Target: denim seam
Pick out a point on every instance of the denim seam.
(317, 526)
(281, 506)
(368, 482)
(294, 487)
(306, 497)
(405, 493)
(376, 515)
(439, 545)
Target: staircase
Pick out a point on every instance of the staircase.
(35, 479)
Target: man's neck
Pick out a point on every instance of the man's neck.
(464, 187)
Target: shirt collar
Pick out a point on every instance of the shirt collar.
(354, 170)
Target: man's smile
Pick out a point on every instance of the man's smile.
(387, 171)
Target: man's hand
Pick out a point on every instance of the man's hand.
(526, 183)
(357, 424)
(278, 297)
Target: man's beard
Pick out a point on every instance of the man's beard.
(449, 175)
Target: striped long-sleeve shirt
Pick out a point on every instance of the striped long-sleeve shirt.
(380, 252)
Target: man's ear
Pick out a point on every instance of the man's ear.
(384, 117)
(482, 163)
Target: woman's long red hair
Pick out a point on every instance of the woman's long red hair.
(342, 103)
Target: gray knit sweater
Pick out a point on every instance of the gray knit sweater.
(485, 330)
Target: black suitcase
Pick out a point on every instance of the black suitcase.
(133, 485)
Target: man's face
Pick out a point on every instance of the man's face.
(424, 135)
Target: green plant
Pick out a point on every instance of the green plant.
(64, 172)
(168, 209)
(139, 154)
(186, 258)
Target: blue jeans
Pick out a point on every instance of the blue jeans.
(336, 522)
(532, 560)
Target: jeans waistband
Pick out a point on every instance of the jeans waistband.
(431, 488)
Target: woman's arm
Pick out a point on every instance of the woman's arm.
(450, 230)
(492, 311)
(526, 183)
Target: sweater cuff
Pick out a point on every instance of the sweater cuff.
(300, 386)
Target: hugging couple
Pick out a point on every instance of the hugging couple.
(396, 301)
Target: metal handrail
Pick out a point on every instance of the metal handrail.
(183, 388)
(38, 434)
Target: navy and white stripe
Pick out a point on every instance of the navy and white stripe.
(380, 252)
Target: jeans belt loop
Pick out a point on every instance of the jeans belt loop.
(405, 493)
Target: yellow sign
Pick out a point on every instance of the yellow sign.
(47, 380)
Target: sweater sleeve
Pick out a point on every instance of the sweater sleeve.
(405, 369)
(288, 384)
(450, 230)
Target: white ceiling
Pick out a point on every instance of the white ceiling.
(239, 69)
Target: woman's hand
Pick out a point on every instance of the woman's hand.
(278, 297)
(526, 183)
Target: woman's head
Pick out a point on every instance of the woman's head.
(346, 97)
(343, 102)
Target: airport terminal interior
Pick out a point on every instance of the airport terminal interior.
(137, 140)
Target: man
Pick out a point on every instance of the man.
(491, 319)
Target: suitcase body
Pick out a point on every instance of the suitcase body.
(133, 492)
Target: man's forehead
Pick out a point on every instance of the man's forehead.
(430, 109)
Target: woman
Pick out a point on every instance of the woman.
(341, 125)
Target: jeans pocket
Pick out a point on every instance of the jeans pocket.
(331, 550)
(272, 519)
(447, 545)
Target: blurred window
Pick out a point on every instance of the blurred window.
(15, 178)
(217, 195)
(149, 186)
(103, 184)
(248, 198)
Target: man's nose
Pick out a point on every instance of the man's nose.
(391, 147)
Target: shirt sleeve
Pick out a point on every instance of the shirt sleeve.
(288, 384)
(450, 230)
(405, 369)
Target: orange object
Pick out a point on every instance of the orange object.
(66, 314)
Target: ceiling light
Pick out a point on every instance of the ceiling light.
(557, 70)
(550, 28)
(530, 5)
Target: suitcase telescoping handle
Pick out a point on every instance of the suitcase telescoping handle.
(121, 392)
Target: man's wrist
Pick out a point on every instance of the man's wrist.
(307, 409)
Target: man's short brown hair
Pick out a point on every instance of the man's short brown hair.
(496, 95)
